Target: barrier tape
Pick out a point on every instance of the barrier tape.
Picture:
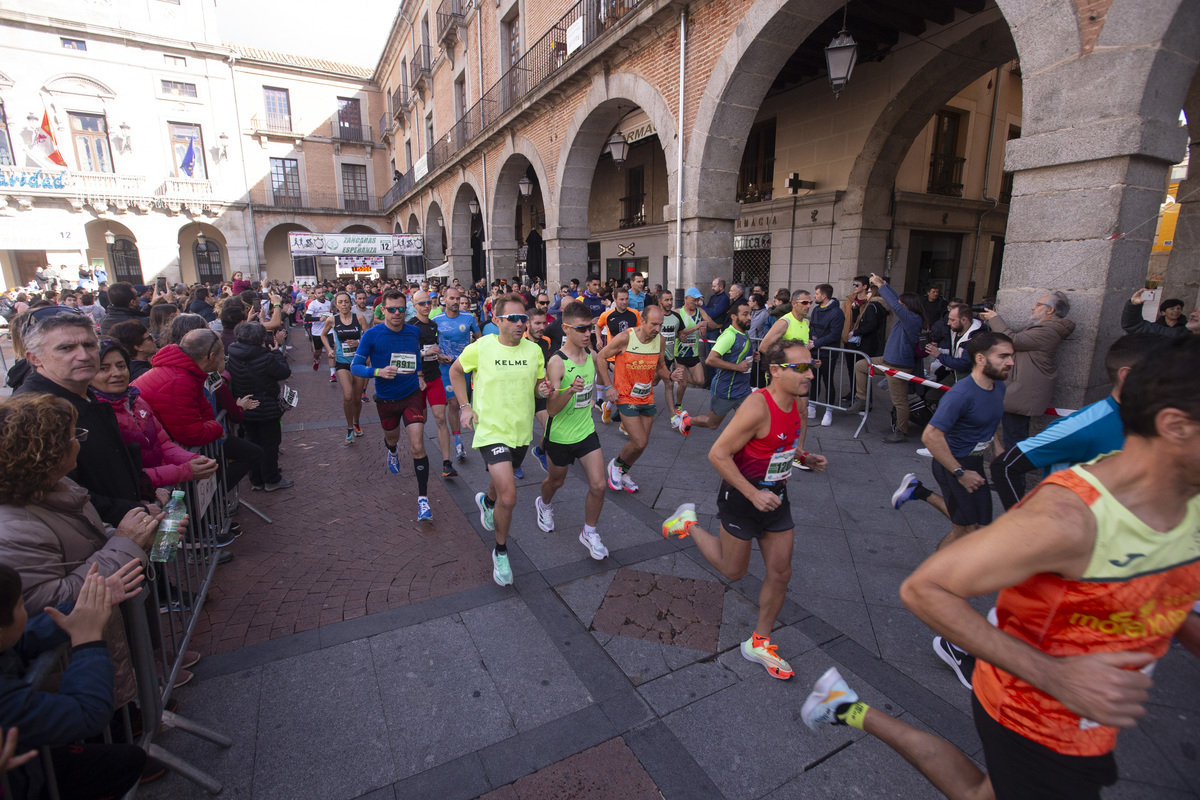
(904, 376)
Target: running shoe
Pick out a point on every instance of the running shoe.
(595, 547)
(333, 377)
(501, 571)
(485, 514)
(627, 483)
(424, 512)
(365, 399)
(606, 413)
(827, 419)
(908, 485)
(316, 364)
(924, 451)
(961, 662)
(349, 435)
(357, 429)
(621, 428)
(675, 420)
(393, 462)
(460, 452)
(518, 473)
(796, 464)
(677, 525)
(448, 470)
(545, 515)
(829, 693)
(614, 476)
(685, 423)
(767, 654)
(540, 455)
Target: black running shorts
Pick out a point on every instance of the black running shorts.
(740, 517)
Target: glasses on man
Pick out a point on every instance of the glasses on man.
(804, 302)
(422, 302)
(543, 303)
(519, 319)
(585, 328)
(799, 367)
(393, 309)
(81, 435)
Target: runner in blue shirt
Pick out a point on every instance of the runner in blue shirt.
(456, 330)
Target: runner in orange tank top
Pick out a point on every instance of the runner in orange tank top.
(1097, 570)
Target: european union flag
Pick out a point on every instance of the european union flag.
(189, 158)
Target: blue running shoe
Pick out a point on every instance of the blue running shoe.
(908, 485)
(393, 462)
(540, 455)
(424, 512)
(518, 473)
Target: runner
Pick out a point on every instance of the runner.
(731, 357)
(572, 432)
(345, 329)
(754, 458)
(1097, 569)
(672, 325)
(508, 371)
(535, 333)
(318, 310)
(793, 327)
(687, 347)
(457, 328)
(399, 389)
(366, 314)
(618, 318)
(431, 372)
(637, 355)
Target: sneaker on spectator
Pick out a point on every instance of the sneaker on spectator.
(223, 557)
(827, 420)
(282, 483)
(812, 411)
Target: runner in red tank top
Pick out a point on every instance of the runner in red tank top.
(1097, 569)
(754, 457)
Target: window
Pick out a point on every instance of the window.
(89, 132)
(350, 120)
(945, 165)
(408, 155)
(279, 109)
(188, 147)
(175, 61)
(429, 131)
(178, 89)
(6, 151)
(512, 46)
(354, 188)
(73, 44)
(126, 262)
(208, 262)
(285, 181)
(757, 175)
(633, 204)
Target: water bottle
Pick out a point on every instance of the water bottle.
(166, 541)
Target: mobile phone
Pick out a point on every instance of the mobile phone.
(161, 283)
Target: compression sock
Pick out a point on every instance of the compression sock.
(391, 447)
(421, 466)
(852, 714)
(921, 492)
(501, 548)
(622, 466)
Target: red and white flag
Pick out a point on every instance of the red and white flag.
(43, 148)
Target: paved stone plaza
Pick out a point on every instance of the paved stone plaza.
(351, 653)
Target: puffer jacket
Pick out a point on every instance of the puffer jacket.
(1035, 367)
(117, 315)
(163, 461)
(257, 371)
(53, 544)
(174, 390)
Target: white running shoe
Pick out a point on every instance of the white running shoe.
(675, 421)
(827, 420)
(595, 547)
(924, 451)
(614, 476)
(812, 411)
(545, 515)
(627, 483)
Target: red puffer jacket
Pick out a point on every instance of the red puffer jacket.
(165, 462)
(174, 390)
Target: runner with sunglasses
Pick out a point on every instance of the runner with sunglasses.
(393, 352)
(431, 371)
(754, 456)
(508, 370)
(793, 327)
(687, 351)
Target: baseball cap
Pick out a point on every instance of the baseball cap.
(693, 292)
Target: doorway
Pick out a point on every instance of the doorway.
(29, 262)
(933, 260)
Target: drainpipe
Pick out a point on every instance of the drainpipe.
(245, 175)
(987, 172)
(483, 207)
(679, 162)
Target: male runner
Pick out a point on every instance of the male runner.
(754, 458)
(536, 333)
(366, 314)
(793, 327)
(637, 355)
(508, 371)
(614, 320)
(456, 329)
(318, 310)
(731, 357)
(571, 435)
(393, 351)
(687, 345)
(671, 326)
(431, 372)
(1097, 569)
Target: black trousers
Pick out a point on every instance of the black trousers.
(266, 435)
(82, 772)
(240, 457)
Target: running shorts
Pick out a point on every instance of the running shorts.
(410, 410)
(743, 521)
(564, 455)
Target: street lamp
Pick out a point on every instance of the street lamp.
(617, 147)
(840, 57)
(202, 240)
(473, 205)
(525, 185)
(109, 237)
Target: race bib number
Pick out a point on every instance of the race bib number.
(668, 341)
(406, 363)
(290, 396)
(583, 398)
(780, 466)
(346, 350)
(641, 391)
(426, 355)
(213, 382)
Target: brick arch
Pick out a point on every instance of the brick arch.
(363, 221)
(459, 236)
(414, 223)
(434, 222)
(518, 154)
(289, 219)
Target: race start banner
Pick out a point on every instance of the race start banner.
(303, 243)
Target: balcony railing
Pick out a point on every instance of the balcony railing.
(385, 127)
(349, 133)
(186, 187)
(635, 211)
(400, 188)
(945, 175)
(276, 123)
(316, 201)
(583, 24)
(422, 66)
(401, 102)
(103, 187)
(449, 17)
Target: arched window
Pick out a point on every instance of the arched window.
(209, 267)
(125, 261)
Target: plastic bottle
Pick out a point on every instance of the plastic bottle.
(166, 541)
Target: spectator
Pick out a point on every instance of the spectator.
(123, 305)
(160, 322)
(1170, 313)
(934, 305)
(233, 313)
(1132, 322)
(962, 325)
(174, 387)
(870, 329)
(825, 322)
(256, 367)
(1035, 372)
(138, 345)
(102, 293)
(240, 284)
(181, 325)
(89, 306)
(860, 295)
(781, 304)
(61, 347)
(760, 317)
(716, 310)
(202, 303)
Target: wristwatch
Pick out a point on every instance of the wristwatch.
(958, 473)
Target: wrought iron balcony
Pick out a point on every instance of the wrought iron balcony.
(315, 201)
(449, 17)
(422, 67)
(401, 102)
(945, 175)
(349, 133)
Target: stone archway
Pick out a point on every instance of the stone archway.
(518, 157)
(207, 263)
(435, 235)
(279, 262)
(360, 224)
(466, 259)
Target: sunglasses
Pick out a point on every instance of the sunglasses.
(804, 302)
(583, 328)
(391, 310)
(81, 435)
(422, 302)
(800, 367)
(540, 303)
(519, 319)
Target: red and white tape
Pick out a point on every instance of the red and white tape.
(904, 376)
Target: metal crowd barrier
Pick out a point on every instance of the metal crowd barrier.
(837, 367)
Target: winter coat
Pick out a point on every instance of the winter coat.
(902, 343)
(164, 461)
(954, 355)
(52, 544)
(1035, 367)
(1132, 322)
(117, 315)
(760, 323)
(871, 327)
(174, 389)
(241, 286)
(202, 308)
(257, 371)
(110, 470)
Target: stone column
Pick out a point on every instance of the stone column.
(460, 265)
(1182, 278)
(707, 252)
(502, 259)
(566, 255)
